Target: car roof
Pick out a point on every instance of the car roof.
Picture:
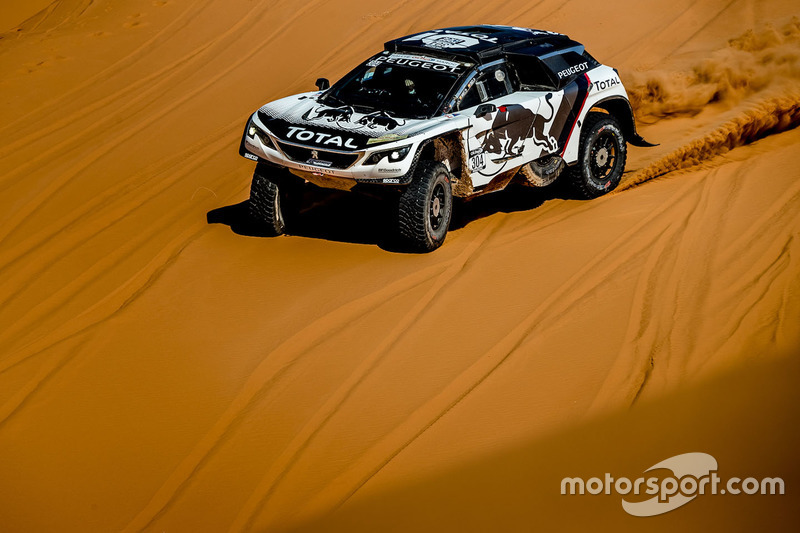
(483, 43)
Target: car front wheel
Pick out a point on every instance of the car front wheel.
(275, 200)
(425, 207)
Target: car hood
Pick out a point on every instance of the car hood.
(302, 119)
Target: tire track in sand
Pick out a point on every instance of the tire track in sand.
(89, 319)
(106, 217)
(56, 185)
(645, 325)
(44, 374)
(300, 442)
(146, 90)
(276, 363)
(105, 202)
(149, 88)
(118, 256)
(318, 330)
(47, 108)
(654, 331)
(545, 315)
(761, 263)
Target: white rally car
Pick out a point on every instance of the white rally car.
(450, 112)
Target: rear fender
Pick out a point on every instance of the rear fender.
(620, 108)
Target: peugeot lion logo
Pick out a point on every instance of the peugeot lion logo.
(314, 154)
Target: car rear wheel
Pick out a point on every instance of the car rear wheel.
(275, 200)
(544, 171)
(601, 159)
(426, 207)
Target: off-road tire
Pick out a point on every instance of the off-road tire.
(601, 158)
(275, 201)
(543, 172)
(426, 207)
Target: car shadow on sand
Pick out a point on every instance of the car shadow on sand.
(361, 219)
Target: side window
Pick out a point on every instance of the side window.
(490, 84)
(496, 82)
(532, 73)
(470, 98)
(593, 63)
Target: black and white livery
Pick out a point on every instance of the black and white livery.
(443, 113)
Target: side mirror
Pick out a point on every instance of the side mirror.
(485, 109)
(323, 83)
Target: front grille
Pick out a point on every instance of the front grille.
(301, 154)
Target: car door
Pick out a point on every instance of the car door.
(523, 126)
(484, 139)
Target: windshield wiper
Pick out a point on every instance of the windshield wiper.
(331, 99)
(361, 108)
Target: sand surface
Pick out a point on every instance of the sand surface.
(163, 369)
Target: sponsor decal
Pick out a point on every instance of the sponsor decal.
(451, 39)
(343, 117)
(417, 61)
(329, 114)
(542, 32)
(380, 119)
(325, 139)
(513, 125)
(251, 156)
(315, 170)
(391, 180)
(606, 84)
(338, 136)
(477, 160)
(318, 162)
(575, 69)
(390, 170)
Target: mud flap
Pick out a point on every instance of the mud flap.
(637, 140)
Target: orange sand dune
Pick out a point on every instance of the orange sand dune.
(164, 370)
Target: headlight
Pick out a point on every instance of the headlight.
(255, 131)
(398, 154)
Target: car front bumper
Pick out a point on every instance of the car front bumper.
(328, 168)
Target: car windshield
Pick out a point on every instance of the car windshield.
(406, 86)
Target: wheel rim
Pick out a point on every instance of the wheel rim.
(546, 165)
(603, 156)
(437, 207)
